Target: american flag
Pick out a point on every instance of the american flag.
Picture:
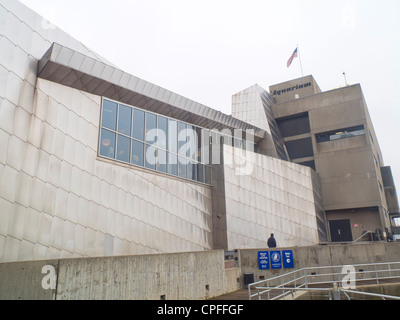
(294, 55)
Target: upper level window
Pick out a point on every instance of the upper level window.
(294, 125)
(341, 134)
(148, 140)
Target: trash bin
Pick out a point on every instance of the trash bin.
(248, 278)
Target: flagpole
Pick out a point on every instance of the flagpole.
(301, 66)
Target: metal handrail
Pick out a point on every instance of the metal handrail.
(383, 296)
(291, 290)
(345, 291)
(362, 236)
(301, 279)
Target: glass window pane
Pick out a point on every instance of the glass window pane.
(138, 124)
(200, 172)
(226, 140)
(137, 153)
(207, 174)
(206, 146)
(123, 148)
(150, 157)
(182, 139)
(199, 142)
(107, 144)
(238, 143)
(161, 160)
(191, 150)
(109, 117)
(151, 125)
(124, 120)
(173, 136)
(172, 164)
(182, 162)
(162, 133)
(341, 134)
(191, 170)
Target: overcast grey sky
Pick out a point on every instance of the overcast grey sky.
(209, 50)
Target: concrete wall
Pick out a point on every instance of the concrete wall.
(320, 256)
(23, 280)
(348, 173)
(181, 276)
(390, 190)
(361, 220)
(349, 169)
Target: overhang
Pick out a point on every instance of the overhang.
(73, 69)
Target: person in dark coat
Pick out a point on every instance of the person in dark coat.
(272, 241)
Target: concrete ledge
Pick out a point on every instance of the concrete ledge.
(181, 276)
(326, 255)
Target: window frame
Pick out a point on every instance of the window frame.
(343, 133)
(195, 162)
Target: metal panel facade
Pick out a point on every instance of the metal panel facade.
(275, 196)
(58, 199)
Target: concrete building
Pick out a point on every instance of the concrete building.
(97, 162)
(332, 133)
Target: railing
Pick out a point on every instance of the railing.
(369, 294)
(363, 235)
(322, 279)
(333, 293)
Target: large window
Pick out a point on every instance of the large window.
(154, 142)
(294, 125)
(300, 148)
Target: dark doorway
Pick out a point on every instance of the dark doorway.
(340, 230)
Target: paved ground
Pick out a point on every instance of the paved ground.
(238, 295)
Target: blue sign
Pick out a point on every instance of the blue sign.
(263, 260)
(287, 258)
(276, 259)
